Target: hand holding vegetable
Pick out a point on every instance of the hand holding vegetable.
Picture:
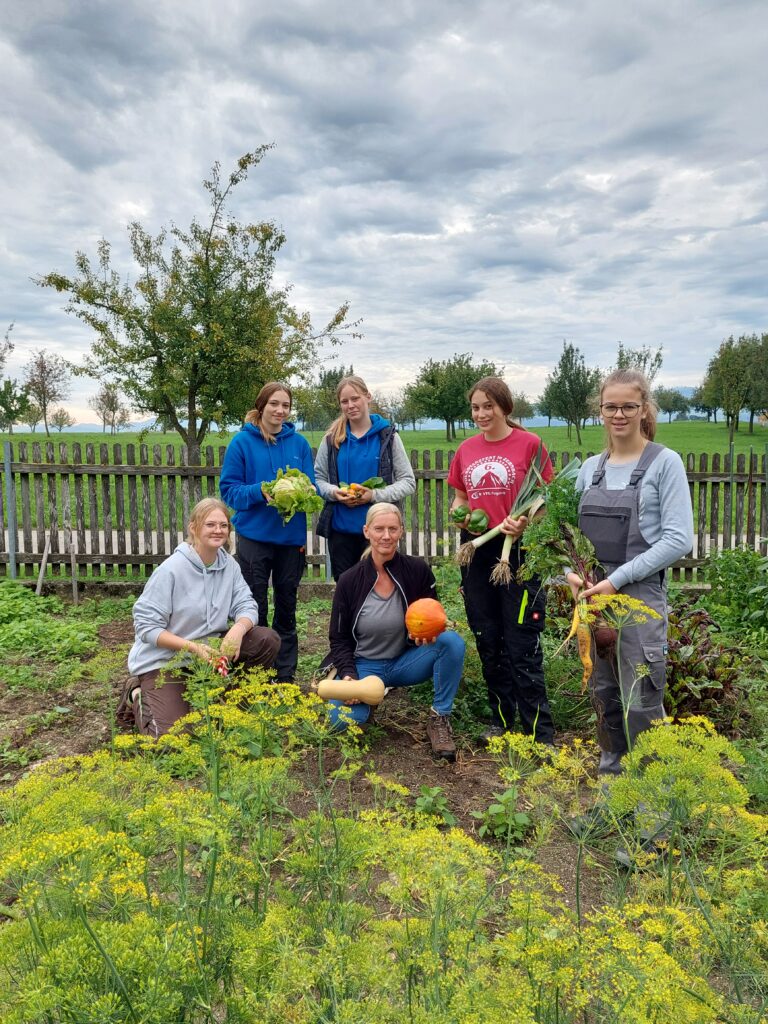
(514, 527)
(358, 494)
(473, 521)
(232, 641)
(290, 492)
(363, 496)
(576, 583)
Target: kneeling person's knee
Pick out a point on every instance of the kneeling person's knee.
(260, 646)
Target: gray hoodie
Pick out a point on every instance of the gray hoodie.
(190, 600)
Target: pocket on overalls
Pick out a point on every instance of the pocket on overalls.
(653, 682)
(607, 526)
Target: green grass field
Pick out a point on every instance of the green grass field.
(684, 437)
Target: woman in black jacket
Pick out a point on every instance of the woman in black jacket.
(368, 633)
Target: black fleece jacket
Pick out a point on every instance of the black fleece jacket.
(413, 579)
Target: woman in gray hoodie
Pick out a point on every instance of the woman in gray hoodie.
(192, 596)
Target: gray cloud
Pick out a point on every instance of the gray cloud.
(493, 179)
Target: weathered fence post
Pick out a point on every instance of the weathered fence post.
(10, 504)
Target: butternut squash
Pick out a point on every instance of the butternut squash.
(369, 689)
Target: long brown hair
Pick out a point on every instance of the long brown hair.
(498, 391)
(635, 379)
(254, 415)
(338, 429)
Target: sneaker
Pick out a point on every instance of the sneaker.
(649, 852)
(440, 735)
(491, 733)
(126, 713)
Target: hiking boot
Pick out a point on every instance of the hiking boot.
(440, 735)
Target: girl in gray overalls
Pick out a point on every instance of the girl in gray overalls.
(636, 510)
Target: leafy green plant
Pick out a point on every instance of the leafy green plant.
(739, 589)
(12, 756)
(704, 668)
(432, 801)
(502, 820)
(37, 627)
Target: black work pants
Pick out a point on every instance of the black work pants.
(507, 622)
(345, 550)
(285, 564)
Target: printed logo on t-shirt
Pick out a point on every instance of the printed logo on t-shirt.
(489, 476)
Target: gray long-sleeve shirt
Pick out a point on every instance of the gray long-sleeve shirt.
(666, 517)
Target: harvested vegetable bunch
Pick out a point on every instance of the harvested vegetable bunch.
(292, 491)
(545, 493)
(373, 484)
(527, 501)
(474, 520)
(549, 549)
(561, 547)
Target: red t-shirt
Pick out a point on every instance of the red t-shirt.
(490, 472)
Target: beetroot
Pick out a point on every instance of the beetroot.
(605, 640)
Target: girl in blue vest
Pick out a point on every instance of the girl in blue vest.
(358, 445)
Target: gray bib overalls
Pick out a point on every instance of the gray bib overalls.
(627, 686)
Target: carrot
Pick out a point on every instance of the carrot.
(581, 629)
(584, 641)
(574, 626)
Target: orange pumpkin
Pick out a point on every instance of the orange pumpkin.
(425, 619)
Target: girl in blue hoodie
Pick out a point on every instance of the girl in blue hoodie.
(266, 547)
(357, 446)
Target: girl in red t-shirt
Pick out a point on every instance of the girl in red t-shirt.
(507, 619)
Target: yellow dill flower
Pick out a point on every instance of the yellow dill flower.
(621, 610)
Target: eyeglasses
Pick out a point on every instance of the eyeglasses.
(628, 410)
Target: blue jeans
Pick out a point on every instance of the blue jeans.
(443, 661)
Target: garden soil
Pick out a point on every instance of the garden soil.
(74, 721)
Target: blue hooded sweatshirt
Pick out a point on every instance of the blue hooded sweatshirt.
(358, 461)
(250, 462)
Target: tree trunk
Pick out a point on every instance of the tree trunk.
(751, 421)
(578, 434)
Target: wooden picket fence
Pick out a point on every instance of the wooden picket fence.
(117, 511)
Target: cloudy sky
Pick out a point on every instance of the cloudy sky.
(491, 178)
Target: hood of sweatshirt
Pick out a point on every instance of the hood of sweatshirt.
(285, 431)
(196, 561)
(378, 423)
